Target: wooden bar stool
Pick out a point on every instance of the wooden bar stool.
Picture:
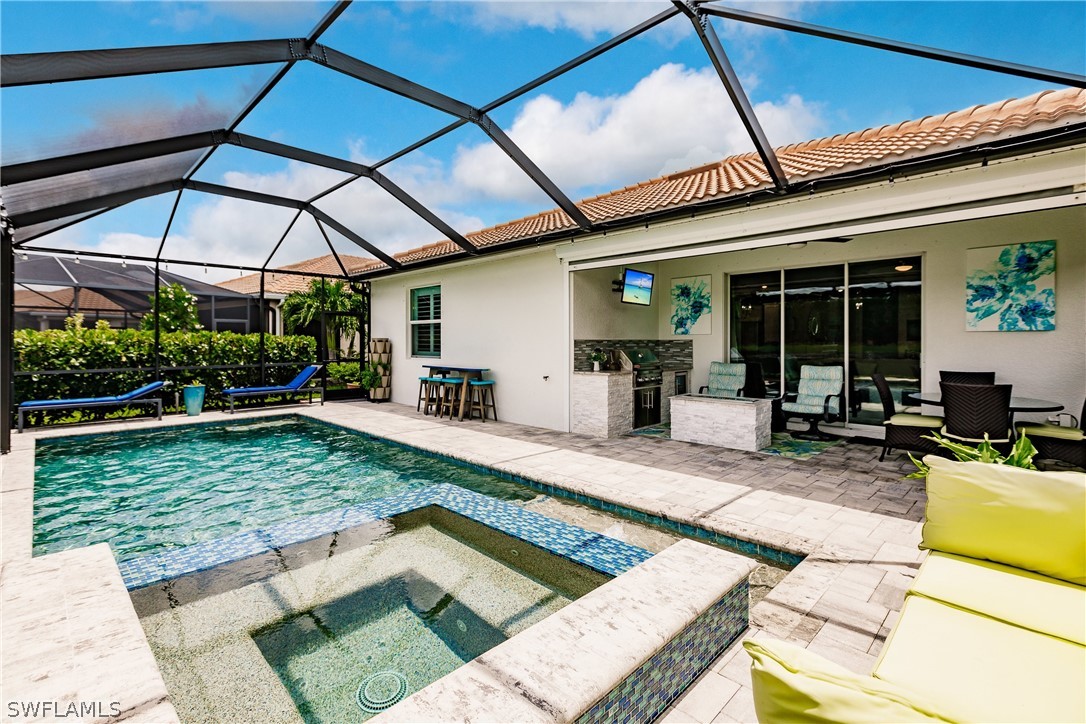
(449, 396)
(428, 394)
(482, 399)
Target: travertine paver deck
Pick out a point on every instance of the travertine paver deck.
(855, 518)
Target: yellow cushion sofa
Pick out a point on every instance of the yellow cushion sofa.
(993, 628)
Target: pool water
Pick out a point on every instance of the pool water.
(144, 493)
(295, 637)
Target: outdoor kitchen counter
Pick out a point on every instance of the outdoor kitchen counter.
(737, 423)
(602, 403)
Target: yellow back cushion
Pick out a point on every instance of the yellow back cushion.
(793, 685)
(1022, 518)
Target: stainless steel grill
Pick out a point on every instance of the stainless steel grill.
(648, 377)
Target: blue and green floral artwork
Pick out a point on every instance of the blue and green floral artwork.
(692, 305)
(1011, 288)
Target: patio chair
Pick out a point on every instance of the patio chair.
(726, 379)
(820, 397)
(1054, 442)
(904, 431)
(294, 387)
(135, 397)
(973, 411)
(967, 378)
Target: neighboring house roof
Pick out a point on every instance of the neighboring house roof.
(61, 300)
(802, 162)
(287, 283)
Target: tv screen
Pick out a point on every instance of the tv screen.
(636, 287)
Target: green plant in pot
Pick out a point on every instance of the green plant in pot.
(1021, 455)
(373, 378)
(597, 356)
(194, 397)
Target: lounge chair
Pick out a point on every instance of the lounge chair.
(726, 379)
(129, 398)
(291, 388)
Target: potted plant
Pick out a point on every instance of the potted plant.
(194, 398)
(597, 356)
(374, 377)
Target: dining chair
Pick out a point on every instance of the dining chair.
(967, 378)
(1053, 442)
(904, 431)
(973, 411)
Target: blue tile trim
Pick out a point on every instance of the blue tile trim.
(593, 550)
(749, 548)
(652, 687)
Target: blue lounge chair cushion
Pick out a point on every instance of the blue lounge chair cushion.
(293, 386)
(74, 401)
(140, 392)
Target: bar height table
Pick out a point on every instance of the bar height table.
(467, 373)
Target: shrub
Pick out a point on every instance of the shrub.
(78, 348)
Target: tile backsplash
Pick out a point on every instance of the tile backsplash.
(674, 354)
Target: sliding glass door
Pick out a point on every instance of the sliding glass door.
(864, 316)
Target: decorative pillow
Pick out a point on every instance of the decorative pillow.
(791, 684)
(1021, 518)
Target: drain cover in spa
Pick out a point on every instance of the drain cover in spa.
(379, 691)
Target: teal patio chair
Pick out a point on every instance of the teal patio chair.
(819, 397)
(726, 379)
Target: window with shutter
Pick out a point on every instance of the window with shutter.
(426, 322)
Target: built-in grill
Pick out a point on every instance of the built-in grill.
(647, 380)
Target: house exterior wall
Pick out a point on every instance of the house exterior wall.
(508, 314)
(519, 313)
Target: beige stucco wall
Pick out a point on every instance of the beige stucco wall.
(508, 314)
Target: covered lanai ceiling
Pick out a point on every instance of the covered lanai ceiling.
(176, 156)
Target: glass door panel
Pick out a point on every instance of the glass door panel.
(814, 320)
(756, 330)
(884, 333)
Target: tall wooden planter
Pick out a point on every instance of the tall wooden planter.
(381, 351)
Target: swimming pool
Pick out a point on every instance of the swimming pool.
(152, 491)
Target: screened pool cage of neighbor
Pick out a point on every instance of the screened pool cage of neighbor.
(100, 172)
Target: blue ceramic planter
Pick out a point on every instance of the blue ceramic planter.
(194, 399)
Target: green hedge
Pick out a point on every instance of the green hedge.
(88, 349)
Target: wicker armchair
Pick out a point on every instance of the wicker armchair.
(1059, 443)
(967, 378)
(973, 411)
(904, 431)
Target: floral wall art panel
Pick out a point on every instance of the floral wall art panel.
(692, 305)
(1011, 288)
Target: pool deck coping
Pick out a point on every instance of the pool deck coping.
(840, 601)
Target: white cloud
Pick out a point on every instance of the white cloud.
(611, 17)
(673, 119)
(187, 16)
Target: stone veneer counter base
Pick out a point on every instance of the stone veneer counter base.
(626, 645)
(740, 424)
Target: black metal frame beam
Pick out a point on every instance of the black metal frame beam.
(96, 203)
(7, 331)
(724, 70)
(60, 165)
(357, 239)
(897, 46)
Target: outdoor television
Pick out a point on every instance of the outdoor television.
(636, 287)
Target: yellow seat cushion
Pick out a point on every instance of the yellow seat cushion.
(792, 684)
(975, 668)
(1062, 433)
(1021, 518)
(1019, 597)
(916, 420)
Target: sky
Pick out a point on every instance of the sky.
(653, 106)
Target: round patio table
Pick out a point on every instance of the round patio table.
(1018, 404)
